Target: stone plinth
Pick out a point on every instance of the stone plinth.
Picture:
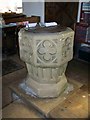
(46, 52)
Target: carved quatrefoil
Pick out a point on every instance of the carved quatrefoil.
(47, 50)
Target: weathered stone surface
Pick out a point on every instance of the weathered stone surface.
(46, 54)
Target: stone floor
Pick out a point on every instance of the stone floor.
(76, 70)
(16, 76)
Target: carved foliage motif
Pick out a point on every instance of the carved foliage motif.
(26, 51)
(46, 51)
(66, 48)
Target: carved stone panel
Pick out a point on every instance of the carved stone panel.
(26, 47)
(47, 52)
